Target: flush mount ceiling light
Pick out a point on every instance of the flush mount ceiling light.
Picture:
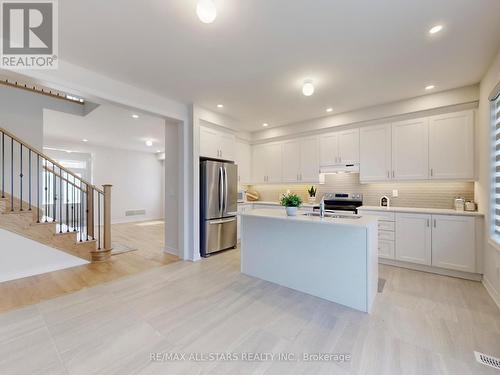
(265, 125)
(429, 87)
(206, 11)
(135, 116)
(329, 109)
(435, 29)
(220, 105)
(149, 143)
(308, 88)
(85, 140)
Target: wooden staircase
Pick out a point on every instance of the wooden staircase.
(63, 211)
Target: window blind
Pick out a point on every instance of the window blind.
(495, 104)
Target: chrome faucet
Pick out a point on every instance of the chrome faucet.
(322, 207)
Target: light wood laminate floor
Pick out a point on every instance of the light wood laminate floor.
(421, 324)
(147, 237)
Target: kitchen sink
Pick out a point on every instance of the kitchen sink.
(333, 216)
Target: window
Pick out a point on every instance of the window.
(495, 164)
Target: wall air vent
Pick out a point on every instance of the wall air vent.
(487, 360)
(135, 212)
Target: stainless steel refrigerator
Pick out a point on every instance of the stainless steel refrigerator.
(218, 203)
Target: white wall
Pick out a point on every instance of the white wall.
(482, 189)
(136, 178)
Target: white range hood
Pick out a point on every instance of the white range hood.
(339, 168)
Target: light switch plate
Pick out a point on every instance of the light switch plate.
(395, 193)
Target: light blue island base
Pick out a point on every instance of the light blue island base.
(334, 259)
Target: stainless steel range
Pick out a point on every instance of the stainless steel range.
(342, 203)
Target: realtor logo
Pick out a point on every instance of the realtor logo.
(29, 34)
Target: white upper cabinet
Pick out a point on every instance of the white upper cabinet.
(375, 153)
(451, 146)
(267, 163)
(329, 149)
(243, 160)
(291, 161)
(309, 160)
(410, 150)
(217, 144)
(339, 147)
(453, 242)
(349, 146)
(413, 238)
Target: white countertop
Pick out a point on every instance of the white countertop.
(439, 211)
(363, 221)
(271, 203)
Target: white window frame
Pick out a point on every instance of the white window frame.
(495, 129)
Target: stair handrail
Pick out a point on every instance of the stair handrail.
(49, 159)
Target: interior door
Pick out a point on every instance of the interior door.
(410, 150)
(451, 146)
(453, 242)
(349, 146)
(413, 238)
(291, 161)
(375, 153)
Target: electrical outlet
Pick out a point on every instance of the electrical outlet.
(395, 193)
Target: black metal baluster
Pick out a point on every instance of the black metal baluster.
(21, 176)
(54, 193)
(29, 179)
(99, 221)
(81, 214)
(73, 203)
(11, 174)
(67, 203)
(60, 201)
(46, 188)
(38, 188)
(3, 165)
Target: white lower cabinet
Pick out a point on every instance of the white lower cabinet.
(386, 249)
(453, 242)
(414, 238)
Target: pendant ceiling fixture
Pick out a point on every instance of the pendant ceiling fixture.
(206, 11)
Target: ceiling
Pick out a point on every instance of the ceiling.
(104, 126)
(255, 56)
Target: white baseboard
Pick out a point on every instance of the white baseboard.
(494, 294)
(171, 250)
(430, 269)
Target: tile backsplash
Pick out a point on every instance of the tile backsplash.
(424, 194)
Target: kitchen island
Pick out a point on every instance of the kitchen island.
(331, 258)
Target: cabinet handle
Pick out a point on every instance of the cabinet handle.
(432, 172)
(434, 223)
(428, 223)
(300, 176)
(392, 174)
(388, 174)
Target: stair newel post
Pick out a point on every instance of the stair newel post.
(107, 217)
(90, 211)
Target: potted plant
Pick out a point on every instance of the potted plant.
(291, 202)
(312, 194)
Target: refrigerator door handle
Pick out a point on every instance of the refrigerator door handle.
(223, 221)
(221, 190)
(225, 189)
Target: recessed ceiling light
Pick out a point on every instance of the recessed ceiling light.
(135, 116)
(435, 29)
(429, 87)
(206, 11)
(265, 125)
(220, 105)
(158, 151)
(85, 140)
(308, 88)
(149, 143)
(329, 109)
